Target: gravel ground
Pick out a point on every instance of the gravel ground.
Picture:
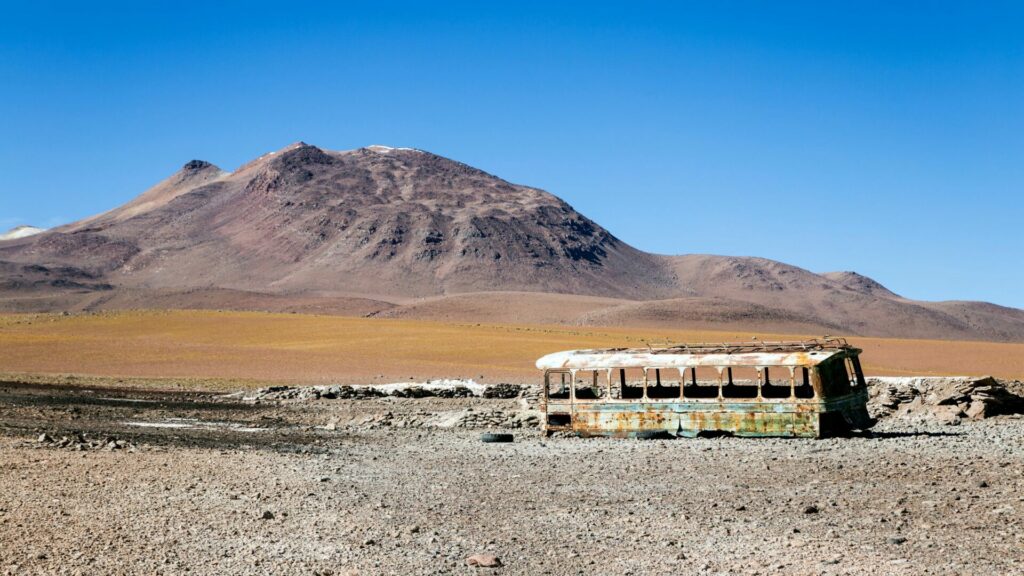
(201, 485)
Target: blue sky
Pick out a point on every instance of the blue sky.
(884, 138)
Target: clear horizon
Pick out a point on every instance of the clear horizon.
(881, 139)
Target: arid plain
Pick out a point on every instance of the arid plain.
(204, 349)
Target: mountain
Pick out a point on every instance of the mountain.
(845, 303)
(382, 221)
(405, 233)
(859, 283)
(20, 232)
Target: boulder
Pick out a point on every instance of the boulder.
(977, 410)
(947, 414)
(483, 561)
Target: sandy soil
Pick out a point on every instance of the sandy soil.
(297, 348)
(266, 489)
(503, 308)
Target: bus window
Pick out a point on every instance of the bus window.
(701, 382)
(854, 371)
(557, 385)
(834, 379)
(802, 383)
(663, 383)
(858, 371)
(743, 384)
(631, 383)
(775, 382)
(591, 384)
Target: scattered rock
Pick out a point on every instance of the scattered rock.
(267, 515)
(812, 509)
(483, 561)
(895, 540)
(503, 391)
(946, 399)
(436, 388)
(433, 388)
(80, 442)
(498, 419)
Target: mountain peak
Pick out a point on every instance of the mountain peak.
(301, 154)
(297, 145)
(196, 165)
(195, 171)
(860, 283)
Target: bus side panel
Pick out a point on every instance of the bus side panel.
(622, 419)
(692, 419)
(747, 423)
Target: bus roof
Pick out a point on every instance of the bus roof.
(757, 353)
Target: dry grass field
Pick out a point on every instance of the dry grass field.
(230, 349)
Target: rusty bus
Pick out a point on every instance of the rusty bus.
(810, 388)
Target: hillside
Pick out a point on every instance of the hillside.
(405, 233)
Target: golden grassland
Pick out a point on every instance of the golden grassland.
(198, 349)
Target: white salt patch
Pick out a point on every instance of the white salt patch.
(917, 381)
(433, 385)
(196, 425)
(160, 424)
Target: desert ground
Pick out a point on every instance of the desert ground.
(227, 350)
(149, 442)
(114, 481)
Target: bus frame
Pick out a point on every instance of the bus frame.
(810, 388)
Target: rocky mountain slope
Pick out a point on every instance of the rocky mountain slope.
(383, 221)
(403, 232)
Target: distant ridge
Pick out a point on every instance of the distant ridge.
(403, 232)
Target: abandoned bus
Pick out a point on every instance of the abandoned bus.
(810, 388)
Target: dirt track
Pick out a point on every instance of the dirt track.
(229, 487)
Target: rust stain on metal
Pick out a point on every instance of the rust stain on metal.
(809, 388)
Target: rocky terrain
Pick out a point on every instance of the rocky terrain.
(399, 232)
(947, 400)
(348, 481)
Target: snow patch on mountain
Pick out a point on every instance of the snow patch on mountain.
(21, 232)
